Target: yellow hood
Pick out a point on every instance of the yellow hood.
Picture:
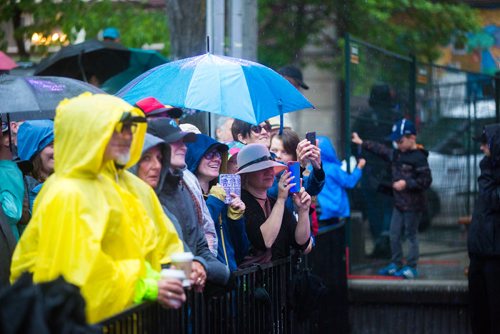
(79, 144)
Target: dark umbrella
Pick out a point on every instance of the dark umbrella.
(82, 60)
(140, 61)
(37, 97)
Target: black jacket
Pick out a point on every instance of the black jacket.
(411, 166)
(484, 231)
(7, 244)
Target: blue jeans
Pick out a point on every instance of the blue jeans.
(404, 222)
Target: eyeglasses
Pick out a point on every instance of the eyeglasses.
(258, 128)
(126, 127)
(212, 155)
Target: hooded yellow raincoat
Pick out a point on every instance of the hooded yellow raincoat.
(86, 227)
(168, 241)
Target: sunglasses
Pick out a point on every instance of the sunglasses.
(126, 127)
(258, 128)
(212, 154)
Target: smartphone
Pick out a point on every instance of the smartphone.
(294, 168)
(311, 136)
(231, 184)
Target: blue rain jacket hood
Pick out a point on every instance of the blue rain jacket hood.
(333, 198)
(33, 137)
(198, 148)
(328, 153)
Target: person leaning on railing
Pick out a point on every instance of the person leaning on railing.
(271, 228)
(85, 226)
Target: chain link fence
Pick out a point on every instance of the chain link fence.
(449, 107)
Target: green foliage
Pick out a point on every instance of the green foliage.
(137, 24)
(416, 27)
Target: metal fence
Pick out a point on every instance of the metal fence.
(449, 107)
(257, 304)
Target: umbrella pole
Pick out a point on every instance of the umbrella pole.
(8, 131)
(280, 106)
(80, 65)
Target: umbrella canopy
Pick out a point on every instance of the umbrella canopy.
(37, 97)
(140, 61)
(80, 61)
(6, 63)
(222, 85)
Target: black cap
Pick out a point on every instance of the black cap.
(168, 130)
(294, 73)
(481, 138)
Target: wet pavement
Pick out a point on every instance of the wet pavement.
(443, 256)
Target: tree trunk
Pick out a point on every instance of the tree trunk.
(187, 25)
(19, 38)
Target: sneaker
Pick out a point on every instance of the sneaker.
(407, 272)
(389, 270)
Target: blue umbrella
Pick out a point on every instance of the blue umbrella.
(221, 85)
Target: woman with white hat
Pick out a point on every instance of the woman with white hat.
(271, 228)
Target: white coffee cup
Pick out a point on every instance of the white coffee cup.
(183, 261)
(175, 274)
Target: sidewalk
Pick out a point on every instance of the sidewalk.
(443, 256)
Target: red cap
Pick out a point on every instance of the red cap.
(154, 108)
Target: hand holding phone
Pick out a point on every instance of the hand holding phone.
(294, 168)
(231, 184)
(311, 136)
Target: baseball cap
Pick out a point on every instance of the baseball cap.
(5, 127)
(110, 32)
(402, 128)
(481, 137)
(168, 130)
(294, 73)
(154, 108)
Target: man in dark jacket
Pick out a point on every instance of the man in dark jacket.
(411, 176)
(484, 238)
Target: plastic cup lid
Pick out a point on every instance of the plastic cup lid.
(181, 257)
(173, 273)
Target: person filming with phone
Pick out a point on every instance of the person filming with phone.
(206, 158)
(288, 147)
(271, 228)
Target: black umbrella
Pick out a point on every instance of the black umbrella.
(83, 60)
(37, 97)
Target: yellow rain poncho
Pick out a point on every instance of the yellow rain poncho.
(168, 240)
(86, 227)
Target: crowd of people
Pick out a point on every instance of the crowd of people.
(107, 193)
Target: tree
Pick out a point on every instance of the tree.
(187, 25)
(416, 27)
(137, 23)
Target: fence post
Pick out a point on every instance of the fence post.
(347, 119)
(412, 87)
(497, 96)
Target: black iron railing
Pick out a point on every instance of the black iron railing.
(256, 304)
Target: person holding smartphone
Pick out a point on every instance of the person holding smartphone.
(271, 228)
(288, 147)
(206, 158)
